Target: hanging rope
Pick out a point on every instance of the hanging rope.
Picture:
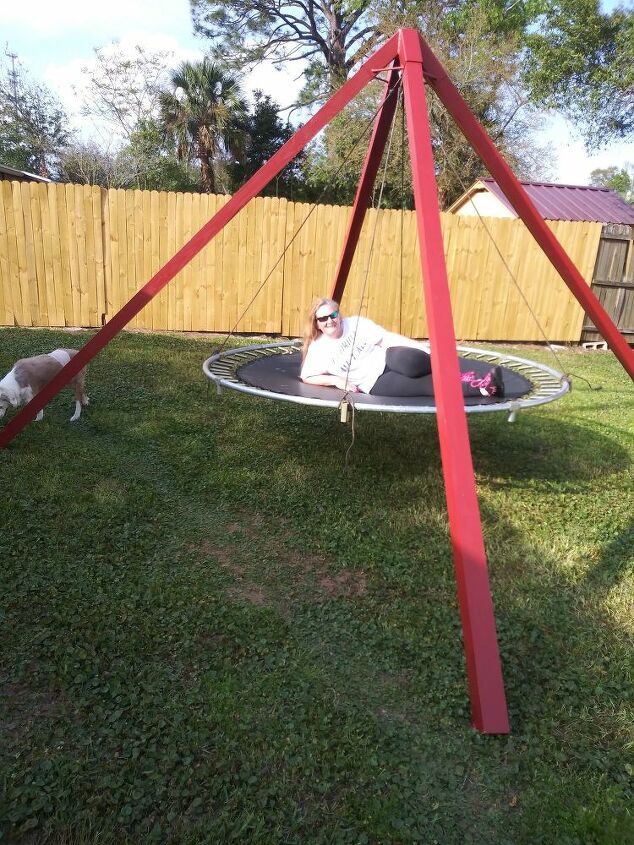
(314, 206)
(398, 88)
(344, 404)
(351, 444)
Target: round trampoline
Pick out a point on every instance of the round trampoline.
(272, 371)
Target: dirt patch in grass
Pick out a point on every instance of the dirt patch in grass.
(225, 556)
(251, 594)
(248, 523)
(346, 583)
(267, 571)
(21, 707)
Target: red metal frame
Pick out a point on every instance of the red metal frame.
(417, 64)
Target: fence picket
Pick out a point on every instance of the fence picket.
(8, 305)
(55, 274)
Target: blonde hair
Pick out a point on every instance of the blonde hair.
(310, 329)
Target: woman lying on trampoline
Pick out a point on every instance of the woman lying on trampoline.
(357, 355)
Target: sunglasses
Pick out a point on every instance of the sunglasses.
(332, 316)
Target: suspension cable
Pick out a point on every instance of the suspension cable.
(377, 204)
(511, 274)
(317, 202)
(398, 87)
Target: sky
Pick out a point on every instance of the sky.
(54, 41)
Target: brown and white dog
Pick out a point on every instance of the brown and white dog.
(29, 375)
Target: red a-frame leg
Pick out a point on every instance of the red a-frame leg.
(519, 199)
(484, 670)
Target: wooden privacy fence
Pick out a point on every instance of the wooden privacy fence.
(613, 280)
(72, 255)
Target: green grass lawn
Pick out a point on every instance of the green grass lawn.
(214, 632)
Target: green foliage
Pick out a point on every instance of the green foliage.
(334, 165)
(506, 59)
(483, 65)
(265, 135)
(214, 632)
(150, 160)
(483, 61)
(33, 125)
(204, 115)
(581, 60)
(122, 92)
(619, 179)
(146, 162)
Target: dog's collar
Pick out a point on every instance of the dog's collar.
(61, 356)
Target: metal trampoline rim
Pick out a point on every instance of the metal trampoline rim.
(511, 405)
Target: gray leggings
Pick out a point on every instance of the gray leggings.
(408, 373)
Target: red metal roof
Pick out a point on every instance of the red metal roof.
(571, 202)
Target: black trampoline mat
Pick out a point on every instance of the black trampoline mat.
(280, 374)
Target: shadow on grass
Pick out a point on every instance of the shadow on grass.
(615, 561)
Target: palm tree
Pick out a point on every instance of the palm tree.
(205, 113)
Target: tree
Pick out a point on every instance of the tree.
(329, 36)
(123, 89)
(581, 61)
(85, 163)
(145, 162)
(265, 135)
(151, 164)
(123, 93)
(484, 66)
(33, 125)
(204, 114)
(619, 179)
(480, 43)
(568, 54)
(335, 159)
(483, 61)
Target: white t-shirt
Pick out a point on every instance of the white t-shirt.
(354, 354)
